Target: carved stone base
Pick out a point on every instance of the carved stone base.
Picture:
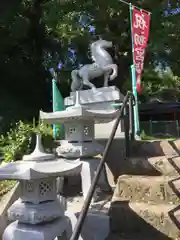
(79, 149)
(20, 231)
(35, 213)
(96, 97)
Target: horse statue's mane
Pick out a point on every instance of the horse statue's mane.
(102, 65)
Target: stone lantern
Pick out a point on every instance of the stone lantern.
(84, 109)
(38, 213)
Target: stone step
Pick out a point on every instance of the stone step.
(145, 218)
(154, 189)
(169, 166)
(176, 145)
(150, 166)
(155, 148)
(162, 165)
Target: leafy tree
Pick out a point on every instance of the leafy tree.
(33, 30)
(162, 85)
(111, 20)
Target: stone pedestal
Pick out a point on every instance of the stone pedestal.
(52, 230)
(98, 99)
(38, 213)
(84, 110)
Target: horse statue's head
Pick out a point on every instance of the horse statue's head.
(101, 43)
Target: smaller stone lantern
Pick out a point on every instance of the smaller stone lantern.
(38, 214)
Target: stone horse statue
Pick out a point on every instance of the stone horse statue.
(102, 65)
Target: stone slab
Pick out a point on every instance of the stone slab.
(151, 166)
(79, 149)
(154, 148)
(154, 189)
(29, 213)
(99, 95)
(168, 148)
(166, 166)
(145, 218)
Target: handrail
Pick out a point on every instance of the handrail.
(131, 119)
(128, 126)
(80, 221)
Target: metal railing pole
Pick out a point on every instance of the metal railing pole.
(131, 119)
(88, 199)
(126, 129)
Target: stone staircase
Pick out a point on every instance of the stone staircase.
(146, 200)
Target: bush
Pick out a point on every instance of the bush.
(6, 186)
(20, 140)
(144, 136)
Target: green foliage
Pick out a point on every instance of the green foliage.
(47, 135)
(111, 20)
(162, 84)
(19, 140)
(16, 141)
(146, 137)
(30, 29)
(6, 186)
(43, 129)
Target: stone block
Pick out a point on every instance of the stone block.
(154, 148)
(166, 166)
(149, 219)
(97, 96)
(168, 149)
(79, 149)
(151, 166)
(34, 214)
(154, 189)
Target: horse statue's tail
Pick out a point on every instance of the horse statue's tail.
(76, 81)
(114, 69)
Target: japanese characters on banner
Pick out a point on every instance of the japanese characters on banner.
(140, 32)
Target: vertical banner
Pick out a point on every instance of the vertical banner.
(58, 105)
(140, 35)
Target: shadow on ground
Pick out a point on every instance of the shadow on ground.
(128, 219)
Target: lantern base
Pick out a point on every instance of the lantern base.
(58, 229)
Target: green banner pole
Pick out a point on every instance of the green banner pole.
(133, 75)
(54, 105)
(58, 105)
(135, 107)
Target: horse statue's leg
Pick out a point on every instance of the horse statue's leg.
(76, 81)
(113, 68)
(87, 82)
(106, 78)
